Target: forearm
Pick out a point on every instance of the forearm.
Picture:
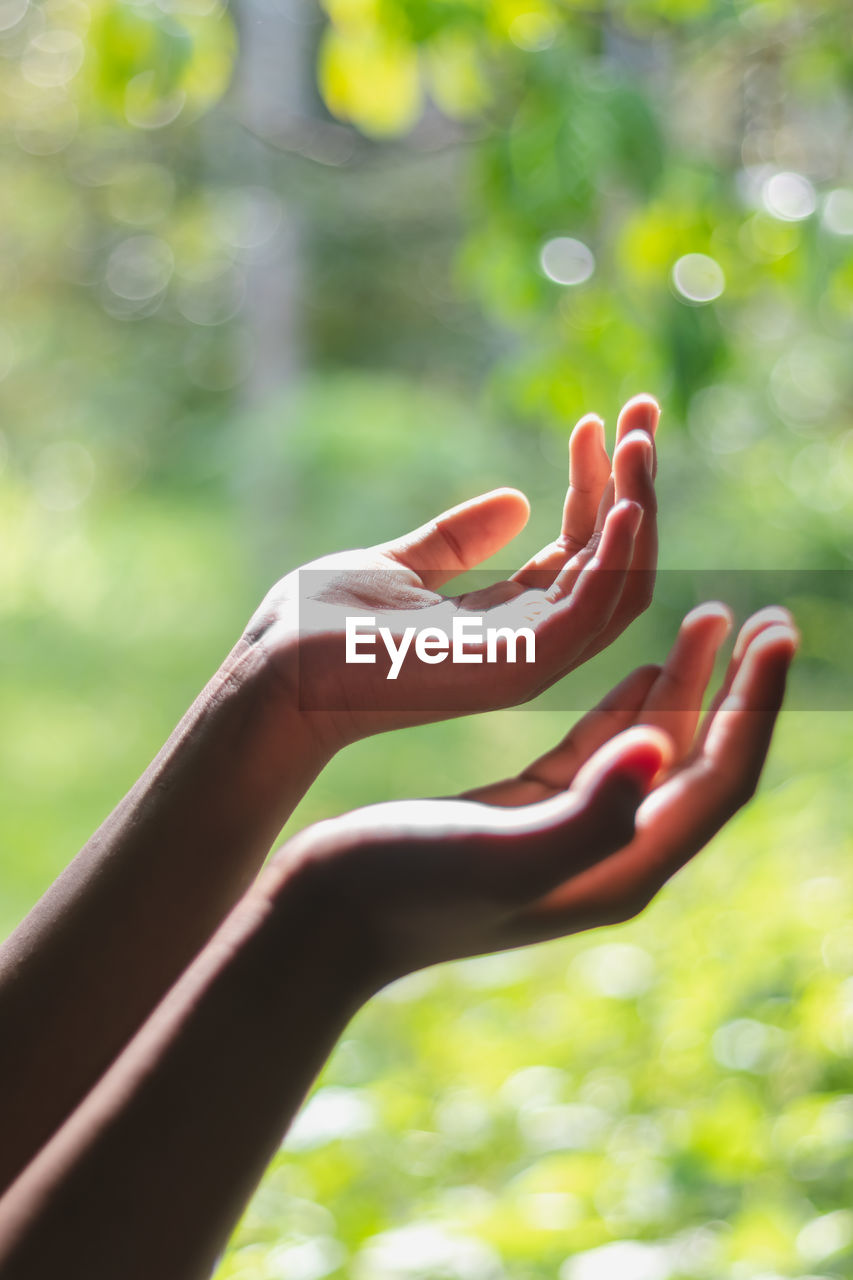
(108, 939)
(150, 1174)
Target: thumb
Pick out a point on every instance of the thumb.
(462, 537)
(595, 818)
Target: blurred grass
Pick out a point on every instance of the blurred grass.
(233, 341)
(684, 1078)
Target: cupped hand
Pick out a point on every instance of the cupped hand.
(584, 836)
(576, 595)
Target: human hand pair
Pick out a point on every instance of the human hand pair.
(577, 594)
(584, 836)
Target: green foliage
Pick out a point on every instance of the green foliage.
(683, 1081)
(221, 356)
(152, 64)
(642, 130)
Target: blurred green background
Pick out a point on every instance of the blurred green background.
(283, 278)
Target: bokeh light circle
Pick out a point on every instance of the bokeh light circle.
(838, 212)
(567, 261)
(789, 196)
(139, 268)
(698, 278)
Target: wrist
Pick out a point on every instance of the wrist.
(306, 882)
(239, 760)
(277, 748)
(305, 915)
(283, 668)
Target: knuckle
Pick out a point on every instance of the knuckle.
(631, 904)
(745, 791)
(643, 590)
(566, 544)
(450, 540)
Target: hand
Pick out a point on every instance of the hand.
(577, 594)
(583, 837)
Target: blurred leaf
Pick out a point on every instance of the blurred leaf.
(371, 79)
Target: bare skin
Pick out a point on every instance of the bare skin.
(584, 836)
(130, 912)
(578, 593)
(141, 1043)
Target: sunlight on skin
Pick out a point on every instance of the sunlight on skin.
(574, 841)
(198, 824)
(579, 592)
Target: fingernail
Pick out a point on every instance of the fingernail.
(780, 631)
(771, 615)
(712, 609)
(651, 404)
(588, 420)
(639, 439)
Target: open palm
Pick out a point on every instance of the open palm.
(577, 594)
(577, 839)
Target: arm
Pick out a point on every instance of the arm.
(150, 1173)
(110, 936)
(113, 933)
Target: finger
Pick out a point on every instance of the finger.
(674, 702)
(605, 506)
(462, 537)
(681, 816)
(772, 615)
(641, 413)
(614, 552)
(574, 829)
(537, 573)
(668, 698)
(698, 800)
(633, 478)
(571, 620)
(634, 471)
(639, 417)
(739, 734)
(555, 770)
(617, 711)
(541, 570)
(589, 472)
(633, 466)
